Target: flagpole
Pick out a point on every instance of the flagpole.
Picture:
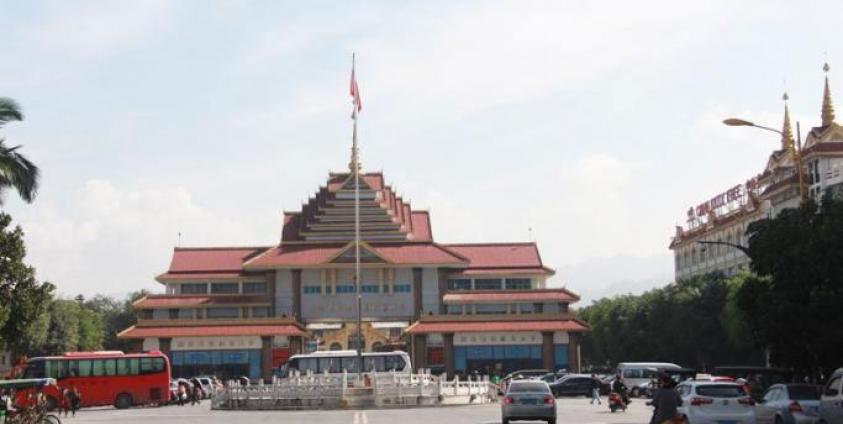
(356, 172)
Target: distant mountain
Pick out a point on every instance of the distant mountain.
(616, 275)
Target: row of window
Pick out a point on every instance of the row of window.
(500, 309)
(215, 312)
(64, 368)
(366, 288)
(489, 284)
(224, 288)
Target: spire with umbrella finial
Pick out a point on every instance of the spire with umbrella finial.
(828, 107)
(788, 143)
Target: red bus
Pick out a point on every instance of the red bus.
(104, 378)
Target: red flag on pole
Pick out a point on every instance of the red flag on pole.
(355, 92)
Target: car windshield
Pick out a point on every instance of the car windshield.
(804, 392)
(721, 391)
(529, 388)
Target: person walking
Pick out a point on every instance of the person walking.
(182, 394)
(666, 400)
(74, 399)
(595, 390)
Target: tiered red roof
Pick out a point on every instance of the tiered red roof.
(136, 332)
(501, 258)
(296, 255)
(424, 327)
(174, 301)
(498, 296)
(209, 263)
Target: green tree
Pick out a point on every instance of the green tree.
(793, 303)
(16, 171)
(22, 298)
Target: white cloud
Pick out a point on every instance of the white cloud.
(112, 239)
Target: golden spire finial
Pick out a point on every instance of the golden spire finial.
(828, 107)
(787, 133)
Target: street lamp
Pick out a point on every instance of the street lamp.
(797, 149)
(740, 247)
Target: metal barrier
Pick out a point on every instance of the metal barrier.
(373, 389)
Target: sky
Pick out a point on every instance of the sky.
(588, 127)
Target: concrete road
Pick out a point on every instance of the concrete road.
(575, 411)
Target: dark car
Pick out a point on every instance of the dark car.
(573, 385)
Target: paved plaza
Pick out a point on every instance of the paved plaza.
(576, 410)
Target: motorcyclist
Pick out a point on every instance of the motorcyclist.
(620, 388)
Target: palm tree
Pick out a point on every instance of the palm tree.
(15, 169)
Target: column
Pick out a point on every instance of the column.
(443, 288)
(574, 352)
(449, 354)
(548, 357)
(420, 351)
(297, 294)
(266, 358)
(417, 293)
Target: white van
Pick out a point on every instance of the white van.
(339, 361)
(831, 401)
(634, 374)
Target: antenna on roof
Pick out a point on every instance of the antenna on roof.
(530, 233)
(179, 242)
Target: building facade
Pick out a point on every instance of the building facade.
(725, 217)
(457, 308)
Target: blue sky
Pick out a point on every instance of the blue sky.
(596, 124)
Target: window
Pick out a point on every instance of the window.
(314, 289)
(254, 288)
(151, 365)
(225, 288)
(487, 284)
(331, 364)
(518, 283)
(260, 312)
(374, 363)
(459, 284)
(328, 289)
(721, 391)
(804, 392)
(402, 288)
(97, 368)
(538, 308)
(831, 388)
(194, 288)
(145, 314)
(335, 346)
(394, 362)
(174, 314)
(493, 309)
(346, 288)
(128, 366)
(371, 288)
(222, 312)
(526, 308)
(454, 309)
(35, 369)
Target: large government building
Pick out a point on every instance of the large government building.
(454, 307)
(724, 218)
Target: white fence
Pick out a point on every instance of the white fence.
(329, 391)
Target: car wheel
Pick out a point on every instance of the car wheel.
(505, 421)
(123, 401)
(551, 420)
(779, 420)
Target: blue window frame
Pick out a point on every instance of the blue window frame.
(312, 289)
(402, 288)
(518, 284)
(371, 288)
(459, 284)
(345, 288)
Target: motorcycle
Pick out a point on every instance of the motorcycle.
(616, 402)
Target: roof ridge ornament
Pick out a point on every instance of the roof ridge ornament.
(828, 107)
(788, 144)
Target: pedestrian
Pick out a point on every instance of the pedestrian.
(64, 401)
(182, 394)
(4, 405)
(196, 394)
(666, 400)
(595, 390)
(74, 400)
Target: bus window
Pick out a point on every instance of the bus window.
(394, 363)
(374, 363)
(57, 369)
(35, 369)
(308, 364)
(85, 368)
(73, 368)
(151, 365)
(331, 364)
(349, 363)
(110, 367)
(97, 368)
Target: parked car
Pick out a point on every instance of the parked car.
(705, 402)
(520, 375)
(207, 386)
(831, 401)
(528, 400)
(789, 404)
(572, 385)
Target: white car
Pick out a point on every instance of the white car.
(706, 402)
(831, 402)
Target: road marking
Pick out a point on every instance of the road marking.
(360, 417)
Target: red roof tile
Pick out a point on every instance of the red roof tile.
(421, 327)
(499, 255)
(422, 253)
(135, 332)
(205, 276)
(211, 259)
(421, 226)
(316, 254)
(292, 255)
(546, 295)
(165, 301)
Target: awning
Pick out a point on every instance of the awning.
(324, 326)
(390, 324)
(494, 326)
(136, 332)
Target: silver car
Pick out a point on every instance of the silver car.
(789, 404)
(528, 400)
